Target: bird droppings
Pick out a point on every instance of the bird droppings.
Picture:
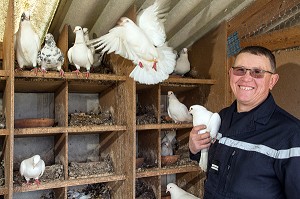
(2, 121)
(90, 119)
(2, 177)
(143, 190)
(52, 173)
(88, 169)
(146, 114)
(93, 191)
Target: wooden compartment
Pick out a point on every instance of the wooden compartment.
(48, 193)
(148, 148)
(52, 151)
(126, 139)
(148, 187)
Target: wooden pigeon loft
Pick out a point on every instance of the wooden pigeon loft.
(121, 142)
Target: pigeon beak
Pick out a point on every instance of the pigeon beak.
(167, 190)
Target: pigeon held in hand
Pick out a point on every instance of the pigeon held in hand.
(182, 63)
(177, 110)
(27, 43)
(33, 167)
(144, 43)
(50, 56)
(79, 54)
(212, 121)
(178, 193)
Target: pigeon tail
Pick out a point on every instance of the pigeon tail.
(203, 159)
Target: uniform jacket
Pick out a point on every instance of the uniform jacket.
(257, 156)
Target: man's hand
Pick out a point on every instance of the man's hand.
(197, 142)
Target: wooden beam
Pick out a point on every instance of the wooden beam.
(280, 39)
(259, 14)
(1, 50)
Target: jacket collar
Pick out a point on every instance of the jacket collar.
(260, 114)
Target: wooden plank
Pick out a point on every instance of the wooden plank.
(166, 171)
(1, 50)
(71, 76)
(72, 182)
(76, 130)
(164, 126)
(189, 81)
(258, 14)
(63, 45)
(3, 191)
(280, 39)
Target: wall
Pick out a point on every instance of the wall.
(287, 90)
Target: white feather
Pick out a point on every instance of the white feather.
(27, 43)
(182, 63)
(177, 110)
(212, 121)
(79, 54)
(33, 167)
(178, 193)
(143, 43)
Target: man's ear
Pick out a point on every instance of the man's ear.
(274, 79)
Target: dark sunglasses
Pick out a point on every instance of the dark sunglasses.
(254, 72)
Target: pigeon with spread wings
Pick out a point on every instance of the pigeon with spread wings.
(143, 42)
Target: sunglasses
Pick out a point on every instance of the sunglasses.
(254, 72)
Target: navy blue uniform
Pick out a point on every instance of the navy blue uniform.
(257, 156)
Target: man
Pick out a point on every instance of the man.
(258, 154)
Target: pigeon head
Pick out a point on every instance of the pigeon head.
(36, 160)
(184, 51)
(49, 39)
(170, 187)
(124, 20)
(77, 28)
(195, 108)
(170, 93)
(85, 31)
(25, 16)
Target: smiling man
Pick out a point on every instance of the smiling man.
(258, 151)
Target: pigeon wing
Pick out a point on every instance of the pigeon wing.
(43, 168)
(214, 124)
(22, 168)
(151, 21)
(115, 41)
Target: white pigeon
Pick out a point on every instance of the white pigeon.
(97, 56)
(27, 43)
(33, 167)
(177, 110)
(182, 63)
(166, 147)
(50, 56)
(144, 43)
(178, 193)
(212, 121)
(87, 40)
(79, 54)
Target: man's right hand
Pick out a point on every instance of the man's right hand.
(197, 142)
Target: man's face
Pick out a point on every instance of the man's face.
(250, 91)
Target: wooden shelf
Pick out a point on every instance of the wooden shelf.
(163, 126)
(3, 191)
(56, 130)
(70, 76)
(166, 171)
(71, 182)
(4, 74)
(176, 80)
(4, 132)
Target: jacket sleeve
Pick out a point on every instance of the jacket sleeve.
(195, 156)
(288, 169)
